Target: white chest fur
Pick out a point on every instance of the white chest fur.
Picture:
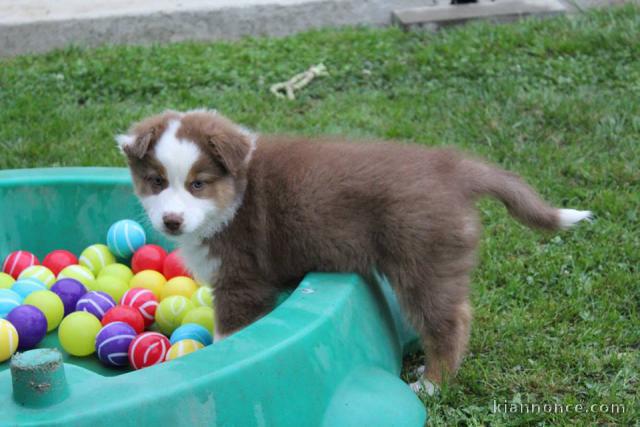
(199, 262)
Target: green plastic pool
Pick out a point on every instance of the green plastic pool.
(329, 355)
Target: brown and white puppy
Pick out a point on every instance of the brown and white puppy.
(257, 213)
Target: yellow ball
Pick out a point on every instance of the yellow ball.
(6, 281)
(171, 311)
(151, 280)
(80, 273)
(96, 257)
(77, 333)
(179, 285)
(203, 316)
(8, 339)
(183, 347)
(203, 297)
(117, 270)
(39, 272)
(114, 286)
(50, 304)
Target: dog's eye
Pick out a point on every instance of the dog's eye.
(197, 185)
(156, 181)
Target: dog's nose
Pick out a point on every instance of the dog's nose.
(172, 221)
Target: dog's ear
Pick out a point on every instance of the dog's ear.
(135, 146)
(231, 147)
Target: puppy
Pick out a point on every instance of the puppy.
(253, 214)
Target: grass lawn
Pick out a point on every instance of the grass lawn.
(556, 316)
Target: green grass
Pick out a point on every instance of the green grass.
(558, 101)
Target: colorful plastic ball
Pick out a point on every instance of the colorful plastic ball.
(95, 303)
(171, 311)
(203, 297)
(77, 333)
(202, 316)
(183, 347)
(120, 271)
(69, 291)
(149, 279)
(112, 343)
(147, 349)
(180, 285)
(50, 304)
(174, 266)
(96, 257)
(39, 272)
(31, 324)
(8, 301)
(57, 260)
(125, 237)
(6, 281)
(80, 273)
(24, 287)
(144, 301)
(8, 340)
(126, 314)
(17, 261)
(191, 331)
(148, 257)
(111, 285)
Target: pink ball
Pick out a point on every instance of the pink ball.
(17, 261)
(148, 257)
(59, 259)
(174, 266)
(148, 349)
(144, 301)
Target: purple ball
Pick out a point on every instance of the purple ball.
(31, 324)
(69, 291)
(96, 303)
(112, 343)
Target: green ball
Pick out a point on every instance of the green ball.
(171, 311)
(203, 316)
(39, 272)
(6, 281)
(203, 297)
(96, 257)
(77, 333)
(80, 273)
(114, 286)
(50, 304)
(117, 270)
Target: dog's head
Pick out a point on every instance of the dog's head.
(189, 170)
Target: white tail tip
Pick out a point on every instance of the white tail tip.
(570, 217)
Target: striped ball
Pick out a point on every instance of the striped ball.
(8, 340)
(183, 347)
(8, 301)
(24, 287)
(96, 257)
(80, 273)
(171, 311)
(125, 237)
(191, 331)
(144, 301)
(203, 297)
(96, 303)
(147, 349)
(39, 272)
(17, 261)
(112, 343)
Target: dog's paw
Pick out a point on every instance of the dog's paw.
(423, 385)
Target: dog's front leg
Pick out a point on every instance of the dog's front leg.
(239, 301)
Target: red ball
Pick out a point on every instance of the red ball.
(173, 266)
(17, 261)
(59, 259)
(124, 313)
(142, 300)
(148, 257)
(148, 349)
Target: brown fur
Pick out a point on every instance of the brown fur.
(320, 205)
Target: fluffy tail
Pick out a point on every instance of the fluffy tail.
(520, 199)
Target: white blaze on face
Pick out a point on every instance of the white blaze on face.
(177, 156)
